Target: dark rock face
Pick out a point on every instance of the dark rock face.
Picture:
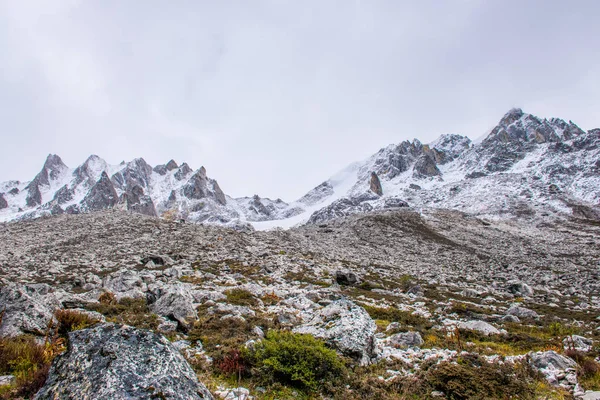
(34, 196)
(425, 166)
(3, 202)
(375, 184)
(145, 206)
(84, 173)
(183, 171)
(14, 191)
(197, 186)
(160, 169)
(258, 207)
(101, 196)
(171, 165)
(136, 173)
(121, 362)
(200, 187)
(63, 195)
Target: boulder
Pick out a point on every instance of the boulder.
(577, 342)
(346, 278)
(551, 360)
(556, 368)
(125, 283)
(27, 309)
(519, 289)
(479, 326)
(344, 326)
(521, 312)
(176, 302)
(115, 362)
(405, 339)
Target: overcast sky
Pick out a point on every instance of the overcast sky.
(274, 96)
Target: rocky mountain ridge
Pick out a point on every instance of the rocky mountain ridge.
(526, 166)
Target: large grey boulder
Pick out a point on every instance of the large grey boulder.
(405, 339)
(519, 289)
(125, 283)
(551, 360)
(479, 326)
(344, 326)
(176, 302)
(27, 309)
(577, 342)
(521, 312)
(118, 362)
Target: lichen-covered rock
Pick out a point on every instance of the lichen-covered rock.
(121, 362)
(521, 312)
(27, 309)
(577, 342)
(345, 326)
(405, 339)
(556, 368)
(125, 283)
(176, 303)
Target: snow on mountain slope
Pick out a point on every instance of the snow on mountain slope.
(525, 166)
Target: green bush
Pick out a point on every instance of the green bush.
(296, 360)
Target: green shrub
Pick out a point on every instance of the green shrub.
(296, 360)
(240, 297)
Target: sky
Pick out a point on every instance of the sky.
(271, 96)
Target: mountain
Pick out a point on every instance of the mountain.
(526, 166)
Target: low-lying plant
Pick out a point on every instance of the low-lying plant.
(240, 297)
(70, 320)
(296, 360)
(134, 312)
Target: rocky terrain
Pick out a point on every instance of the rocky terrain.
(525, 167)
(453, 270)
(429, 304)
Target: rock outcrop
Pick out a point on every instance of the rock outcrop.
(120, 362)
(26, 309)
(101, 196)
(375, 185)
(345, 326)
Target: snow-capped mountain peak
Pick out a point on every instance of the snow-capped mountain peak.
(525, 166)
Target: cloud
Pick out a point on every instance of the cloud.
(274, 96)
